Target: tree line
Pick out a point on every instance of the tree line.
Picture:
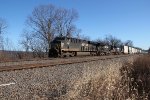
(48, 21)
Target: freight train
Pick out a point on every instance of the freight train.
(65, 46)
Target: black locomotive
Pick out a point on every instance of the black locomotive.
(65, 46)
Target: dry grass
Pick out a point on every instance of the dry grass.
(137, 78)
(6, 56)
(131, 82)
(100, 88)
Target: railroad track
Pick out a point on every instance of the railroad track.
(9, 66)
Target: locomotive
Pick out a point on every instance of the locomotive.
(65, 46)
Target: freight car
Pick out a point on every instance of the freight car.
(65, 46)
(131, 50)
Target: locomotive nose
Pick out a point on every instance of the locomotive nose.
(53, 52)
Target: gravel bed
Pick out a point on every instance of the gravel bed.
(52, 83)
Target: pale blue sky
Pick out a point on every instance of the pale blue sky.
(124, 19)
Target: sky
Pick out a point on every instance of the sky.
(124, 19)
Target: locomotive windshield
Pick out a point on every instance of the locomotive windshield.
(55, 44)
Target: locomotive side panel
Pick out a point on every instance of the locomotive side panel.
(70, 45)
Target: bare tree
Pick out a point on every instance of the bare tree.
(47, 21)
(8, 44)
(113, 41)
(3, 26)
(1, 43)
(26, 40)
(78, 33)
(128, 43)
(36, 45)
(42, 22)
(64, 21)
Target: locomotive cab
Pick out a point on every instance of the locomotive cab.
(55, 50)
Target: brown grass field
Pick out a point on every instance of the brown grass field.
(130, 82)
(136, 78)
